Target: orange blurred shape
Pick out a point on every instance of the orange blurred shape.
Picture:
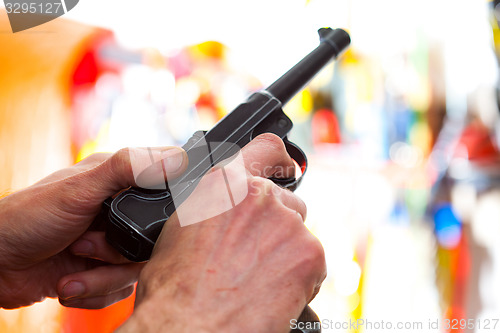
(37, 70)
(97, 321)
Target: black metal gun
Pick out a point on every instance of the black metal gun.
(136, 216)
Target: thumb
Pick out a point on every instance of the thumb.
(142, 167)
(51, 215)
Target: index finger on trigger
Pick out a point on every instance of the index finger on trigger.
(266, 156)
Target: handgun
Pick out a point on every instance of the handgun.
(134, 218)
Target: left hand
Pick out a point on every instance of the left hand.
(47, 249)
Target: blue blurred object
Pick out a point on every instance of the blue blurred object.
(447, 226)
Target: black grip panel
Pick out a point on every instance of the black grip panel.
(135, 220)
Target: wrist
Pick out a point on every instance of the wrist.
(160, 314)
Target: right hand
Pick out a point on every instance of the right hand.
(252, 268)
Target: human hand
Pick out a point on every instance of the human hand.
(46, 245)
(252, 268)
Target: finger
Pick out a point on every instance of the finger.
(93, 244)
(98, 302)
(266, 156)
(287, 198)
(94, 160)
(99, 281)
(85, 164)
(292, 201)
(141, 167)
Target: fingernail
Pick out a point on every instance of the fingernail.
(72, 289)
(83, 247)
(172, 159)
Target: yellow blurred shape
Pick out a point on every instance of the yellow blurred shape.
(300, 106)
(421, 137)
(209, 49)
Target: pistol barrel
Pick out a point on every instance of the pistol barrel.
(333, 41)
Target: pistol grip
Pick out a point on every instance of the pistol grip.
(309, 320)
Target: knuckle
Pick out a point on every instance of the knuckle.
(260, 199)
(262, 187)
(301, 208)
(260, 182)
(121, 160)
(314, 253)
(121, 156)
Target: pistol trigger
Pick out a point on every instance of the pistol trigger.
(298, 156)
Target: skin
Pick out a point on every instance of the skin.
(45, 241)
(251, 268)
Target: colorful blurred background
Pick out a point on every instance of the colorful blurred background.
(402, 134)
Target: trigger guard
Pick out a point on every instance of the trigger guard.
(298, 156)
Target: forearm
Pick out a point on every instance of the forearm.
(9, 288)
(14, 279)
(17, 233)
(177, 307)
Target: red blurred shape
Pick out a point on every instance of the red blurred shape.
(476, 138)
(325, 127)
(87, 70)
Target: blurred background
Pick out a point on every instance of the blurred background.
(401, 132)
